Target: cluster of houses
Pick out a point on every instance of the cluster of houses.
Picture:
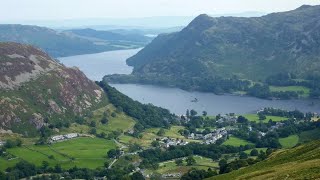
(210, 138)
(272, 128)
(167, 142)
(63, 137)
(230, 118)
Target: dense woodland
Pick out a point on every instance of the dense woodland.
(147, 115)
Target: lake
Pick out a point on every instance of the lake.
(95, 66)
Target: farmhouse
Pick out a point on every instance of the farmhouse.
(63, 137)
(173, 142)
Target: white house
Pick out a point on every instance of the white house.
(57, 138)
(71, 135)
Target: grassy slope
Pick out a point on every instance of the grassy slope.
(289, 141)
(255, 117)
(302, 162)
(80, 152)
(234, 141)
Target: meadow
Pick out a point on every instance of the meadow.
(305, 90)
(289, 141)
(255, 118)
(81, 152)
(234, 141)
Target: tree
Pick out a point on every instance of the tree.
(242, 119)
(262, 116)
(137, 176)
(93, 131)
(179, 162)
(243, 155)
(222, 163)
(204, 113)
(161, 132)
(106, 164)
(188, 113)
(93, 124)
(45, 165)
(57, 168)
(155, 143)
(193, 112)
(254, 152)
(113, 153)
(104, 120)
(190, 161)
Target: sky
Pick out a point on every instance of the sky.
(17, 10)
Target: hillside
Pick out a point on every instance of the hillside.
(36, 90)
(302, 162)
(217, 50)
(110, 36)
(59, 44)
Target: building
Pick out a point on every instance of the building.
(71, 135)
(2, 143)
(57, 138)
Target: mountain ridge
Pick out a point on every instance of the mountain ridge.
(210, 50)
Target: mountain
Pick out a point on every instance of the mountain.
(217, 49)
(110, 36)
(302, 162)
(59, 44)
(36, 90)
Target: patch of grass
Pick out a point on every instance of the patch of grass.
(234, 141)
(305, 90)
(255, 117)
(289, 141)
(259, 149)
(80, 152)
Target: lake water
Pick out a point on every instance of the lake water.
(95, 66)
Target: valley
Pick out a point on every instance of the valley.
(224, 97)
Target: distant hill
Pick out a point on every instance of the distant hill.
(110, 36)
(302, 162)
(59, 44)
(214, 49)
(35, 90)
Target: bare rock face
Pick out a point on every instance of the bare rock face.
(35, 89)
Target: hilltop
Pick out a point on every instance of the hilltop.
(226, 54)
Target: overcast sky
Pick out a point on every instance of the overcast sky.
(11, 10)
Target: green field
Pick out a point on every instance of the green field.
(289, 141)
(171, 167)
(234, 141)
(305, 90)
(255, 117)
(80, 152)
(120, 122)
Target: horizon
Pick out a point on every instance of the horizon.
(60, 10)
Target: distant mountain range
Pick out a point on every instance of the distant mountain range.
(211, 50)
(59, 44)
